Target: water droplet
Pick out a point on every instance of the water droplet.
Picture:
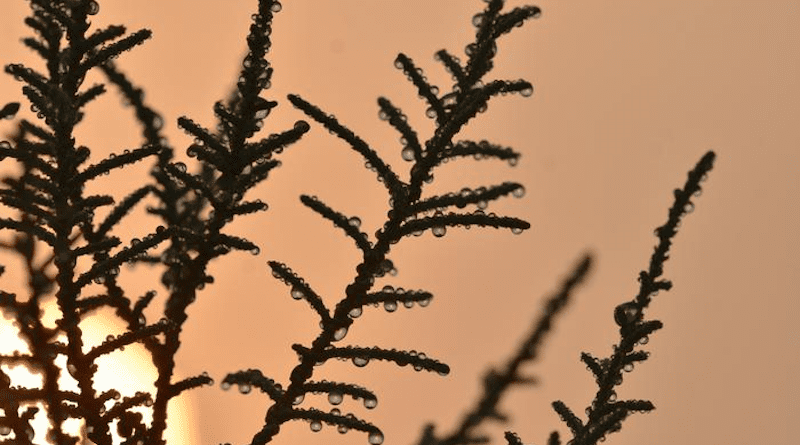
(255, 251)
(370, 403)
(316, 426)
(626, 313)
(383, 115)
(339, 333)
(513, 161)
(430, 112)
(360, 362)
(225, 385)
(628, 367)
(245, 388)
(354, 221)
(261, 114)
(408, 304)
(5, 430)
(470, 49)
(72, 369)
(424, 302)
(335, 397)
(644, 340)
(526, 92)
(439, 231)
(519, 192)
(408, 154)
(355, 312)
(297, 294)
(398, 64)
(342, 429)
(390, 305)
(302, 126)
(478, 19)
(516, 230)
(92, 8)
(689, 207)
(376, 438)
(276, 7)
(180, 166)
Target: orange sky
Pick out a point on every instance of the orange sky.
(628, 96)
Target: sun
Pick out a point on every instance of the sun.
(127, 371)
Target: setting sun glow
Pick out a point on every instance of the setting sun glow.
(127, 371)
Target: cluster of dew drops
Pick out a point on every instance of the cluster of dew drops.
(440, 230)
(334, 398)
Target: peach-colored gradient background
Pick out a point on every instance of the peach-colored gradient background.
(629, 95)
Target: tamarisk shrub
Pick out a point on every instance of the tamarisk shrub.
(65, 237)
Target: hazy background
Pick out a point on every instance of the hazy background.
(628, 96)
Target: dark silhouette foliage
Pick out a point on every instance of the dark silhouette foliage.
(55, 214)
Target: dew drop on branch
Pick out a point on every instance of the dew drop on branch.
(340, 333)
(335, 397)
(626, 313)
(408, 154)
(297, 294)
(355, 312)
(376, 438)
(316, 426)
